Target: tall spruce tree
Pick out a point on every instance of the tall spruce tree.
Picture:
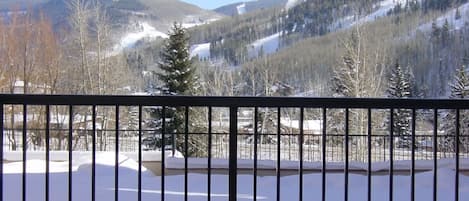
(178, 77)
(400, 87)
(178, 73)
(459, 90)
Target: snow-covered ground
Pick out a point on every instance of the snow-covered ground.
(269, 45)
(398, 165)
(197, 186)
(201, 50)
(146, 31)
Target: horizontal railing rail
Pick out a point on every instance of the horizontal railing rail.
(342, 134)
(206, 101)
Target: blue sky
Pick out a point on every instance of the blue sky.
(211, 4)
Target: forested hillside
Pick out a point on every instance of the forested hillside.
(302, 49)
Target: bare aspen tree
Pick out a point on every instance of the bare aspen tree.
(360, 76)
(79, 18)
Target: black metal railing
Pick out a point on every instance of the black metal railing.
(343, 136)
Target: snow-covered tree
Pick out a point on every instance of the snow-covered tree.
(400, 87)
(459, 90)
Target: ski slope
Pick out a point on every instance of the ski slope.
(291, 3)
(241, 9)
(455, 24)
(200, 50)
(268, 45)
(146, 32)
(383, 8)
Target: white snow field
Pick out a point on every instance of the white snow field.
(197, 186)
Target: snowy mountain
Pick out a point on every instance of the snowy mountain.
(130, 20)
(6, 5)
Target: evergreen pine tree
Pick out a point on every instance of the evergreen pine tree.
(436, 32)
(459, 90)
(445, 33)
(465, 59)
(178, 77)
(400, 87)
(178, 74)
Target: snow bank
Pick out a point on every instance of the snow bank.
(201, 50)
(197, 184)
(423, 165)
(269, 45)
(153, 156)
(130, 39)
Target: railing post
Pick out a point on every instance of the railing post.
(233, 153)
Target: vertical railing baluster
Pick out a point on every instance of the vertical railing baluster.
(24, 141)
(209, 157)
(116, 166)
(278, 152)
(47, 150)
(412, 172)
(139, 187)
(233, 160)
(456, 183)
(173, 142)
(93, 167)
(301, 153)
(1, 151)
(324, 155)
(435, 156)
(256, 120)
(391, 155)
(347, 118)
(369, 155)
(163, 151)
(70, 151)
(186, 157)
